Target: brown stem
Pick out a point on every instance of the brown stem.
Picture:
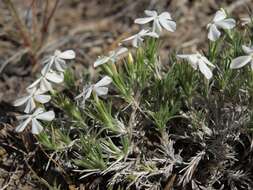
(46, 21)
(24, 33)
(34, 20)
(23, 30)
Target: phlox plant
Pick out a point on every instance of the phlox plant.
(144, 124)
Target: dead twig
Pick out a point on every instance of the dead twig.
(10, 179)
(12, 58)
(46, 22)
(24, 33)
(23, 30)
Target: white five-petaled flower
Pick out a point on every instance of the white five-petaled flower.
(44, 81)
(35, 95)
(58, 61)
(198, 61)
(100, 88)
(137, 39)
(38, 114)
(112, 57)
(243, 60)
(220, 20)
(163, 20)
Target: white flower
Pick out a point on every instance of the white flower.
(198, 61)
(38, 114)
(35, 95)
(58, 61)
(220, 20)
(163, 20)
(44, 81)
(99, 88)
(246, 21)
(137, 39)
(113, 57)
(243, 60)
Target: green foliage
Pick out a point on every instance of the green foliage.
(160, 121)
(56, 140)
(93, 157)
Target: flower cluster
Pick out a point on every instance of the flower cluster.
(99, 89)
(54, 66)
(52, 72)
(220, 21)
(163, 20)
(198, 61)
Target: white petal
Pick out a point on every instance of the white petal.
(213, 33)
(150, 13)
(79, 96)
(206, 61)
(68, 54)
(152, 34)
(134, 39)
(31, 91)
(240, 62)
(45, 69)
(35, 83)
(168, 24)
(23, 125)
(46, 116)
(86, 93)
(104, 81)
(45, 85)
(36, 127)
(219, 15)
(121, 51)
(130, 38)
(191, 58)
(101, 61)
(143, 20)
(193, 62)
(21, 101)
(30, 105)
(60, 65)
(226, 24)
(100, 91)
(135, 42)
(39, 110)
(165, 15)
(143, 32)
(205, 70)
(57, 53)
(48, 66)
(184, 56)
(247, 50)
(41, 98)
(157, 27)
(55, 77)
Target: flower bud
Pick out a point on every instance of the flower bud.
(130, 59)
